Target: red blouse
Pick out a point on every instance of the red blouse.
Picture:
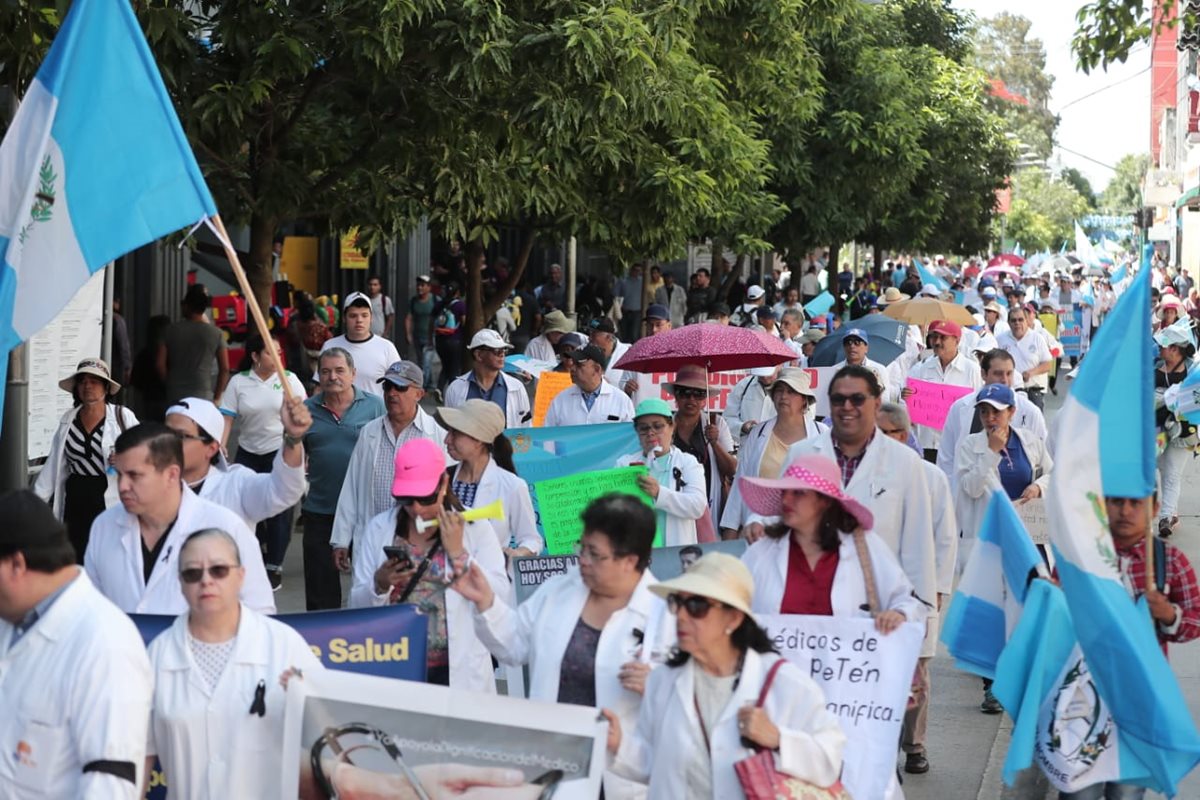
(808, 589)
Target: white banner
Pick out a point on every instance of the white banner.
(866, 677)
(393, 738)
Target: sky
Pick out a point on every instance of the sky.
(1102, 128)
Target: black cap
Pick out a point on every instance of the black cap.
(28, 521)
(604, 325)
(589, 353)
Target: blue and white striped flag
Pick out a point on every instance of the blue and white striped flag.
(987, 602)
(94, 165)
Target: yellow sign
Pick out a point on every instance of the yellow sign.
(298, 262)
(351, 257)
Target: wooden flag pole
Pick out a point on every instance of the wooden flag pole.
(1150, 544)
(260, 321)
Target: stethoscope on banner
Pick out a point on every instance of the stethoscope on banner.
(377, 750)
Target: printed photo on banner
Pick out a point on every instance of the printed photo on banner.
(357, 736)
(866, 677)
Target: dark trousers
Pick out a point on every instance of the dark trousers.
(322, 582)
(931, 454)
(275, 532)
(83, 501)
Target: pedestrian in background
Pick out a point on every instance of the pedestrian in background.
(192, 350)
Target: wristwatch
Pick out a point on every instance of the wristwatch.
(292, 441)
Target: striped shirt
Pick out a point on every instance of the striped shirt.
(83, 450)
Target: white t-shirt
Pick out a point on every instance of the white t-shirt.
(256, 403)
(1028, 352)
(371, 359)
(381, 309)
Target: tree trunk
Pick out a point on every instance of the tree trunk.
(516, 271)
(831, 268)
(475, 319)
(259, 266)
(877, 254)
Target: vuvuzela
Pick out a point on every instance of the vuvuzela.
(491, 511)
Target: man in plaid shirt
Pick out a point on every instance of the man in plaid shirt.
(1176, 608)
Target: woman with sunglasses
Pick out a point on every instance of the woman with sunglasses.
(674, 479)
(708, 441)
(219, 677)
(422, 560)
(698, 717)
(998, 456)
(589, 636)
(485, 473)
(765, 448)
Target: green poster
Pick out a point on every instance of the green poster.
(560, 501)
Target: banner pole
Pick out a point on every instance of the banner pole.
(260, 321)
(1150, 544)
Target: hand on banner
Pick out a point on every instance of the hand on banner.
(633, 676)
(755, 725)
(649, 485)
(341, 559)
(907, 392)
(614, 730)
(295, 416)
(473, 585)
(1162, 609)
(753, 532)
(712, 433)
(888, 621)
(1032, 492)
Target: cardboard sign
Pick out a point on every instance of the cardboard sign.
(1033, 516)
(549, 386)
(930, 402)
(560, 501)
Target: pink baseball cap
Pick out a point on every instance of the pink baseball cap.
(419, 467)
(946, 328)
(812, 472)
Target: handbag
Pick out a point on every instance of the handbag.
(760, 779)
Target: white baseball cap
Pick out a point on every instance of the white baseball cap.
(208, 419)
(488, 338)
(755, 292)
(355, 297)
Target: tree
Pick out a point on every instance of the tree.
(1109, 29)
(1082, 185)
(1005, 52)
(1123, 195)
(1043, 210)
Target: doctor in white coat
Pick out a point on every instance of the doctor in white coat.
(675, 479)
(487, 374)
(700, 706)
(133, 554)
(427, 559)
(485, 473)
(251, 495)
(217, 720)
(75, 682)
(590, 398)
(591, 636)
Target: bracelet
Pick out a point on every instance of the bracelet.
(292, 441)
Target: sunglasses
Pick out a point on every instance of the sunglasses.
(839, 400)
(696, 606)
(388, 386)
(427, 500)
(657, 427)
(196, 574)
(496, 351)
(690, 394)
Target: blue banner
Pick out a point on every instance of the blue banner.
(1070, 332)
(819, 305)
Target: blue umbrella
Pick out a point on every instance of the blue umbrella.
(885, 336)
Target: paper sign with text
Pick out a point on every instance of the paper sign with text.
(930, 402)
(1033, 516)
(560, 501)
(549, 386)
(866, 677)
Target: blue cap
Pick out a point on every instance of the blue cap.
(997, 395)
(657, 311)
(855, 333)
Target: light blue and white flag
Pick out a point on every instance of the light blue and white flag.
(1109, 420)
(927, 276)
(819, 305)
(1084, 248)
(94, 165)
(987, 602)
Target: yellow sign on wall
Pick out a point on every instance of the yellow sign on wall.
(351, 257)
(298, 262)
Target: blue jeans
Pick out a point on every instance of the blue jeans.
(274, 532)
(1106, 791)
(427, 352)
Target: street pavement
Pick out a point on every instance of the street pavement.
(966, 748)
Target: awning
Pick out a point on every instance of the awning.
(1189, 197)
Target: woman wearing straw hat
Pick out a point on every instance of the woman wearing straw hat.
(699, 713)
(422, 561)
(77, 472)
(711, 442)
(485, 473)
(674, 479)
(765, 448)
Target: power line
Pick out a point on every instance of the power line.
(1126, 79)
(1086, 158)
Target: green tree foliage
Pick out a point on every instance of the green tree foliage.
(1081, 184)
(1109, 29)
(1044, 210)
(1123, 195)
(1005, 51)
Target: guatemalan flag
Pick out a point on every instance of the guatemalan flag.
(94, 165)
(1108, 419)
(987, 602)
(927, 276)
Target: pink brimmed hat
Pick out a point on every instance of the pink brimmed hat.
(419, 467)
(812, 472)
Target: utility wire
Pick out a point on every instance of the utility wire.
(1086, 158)
(1126, 79)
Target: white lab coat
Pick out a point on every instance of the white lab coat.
(75, 689)
(517, 413)
(614, 376)
(977, 470)
(209, 743)
(470, 663)
(737, 513)
(676, 304)
(667, 741)
(945, 542)
(354, 502)
(538, 631)
(683, 505)
(767, 560)
(748, 401)
(958, 426)
(568, 407)
(540, 349)
(53, 476)
(114, 558)
(519, 524)
(888, 376)
(962, 371)
(891, 483)
(255, 496)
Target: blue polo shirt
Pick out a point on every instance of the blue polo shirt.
(498, 394)
(329, 443)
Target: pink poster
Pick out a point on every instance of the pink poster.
(930, 402)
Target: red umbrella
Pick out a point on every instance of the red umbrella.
(1006, 260)
(707, 344)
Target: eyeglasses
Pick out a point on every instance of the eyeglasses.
(196, 574)
(690, 394)
(697, 607)
(838, 400)
(591, 556)
(657, 427)
(496, 351)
